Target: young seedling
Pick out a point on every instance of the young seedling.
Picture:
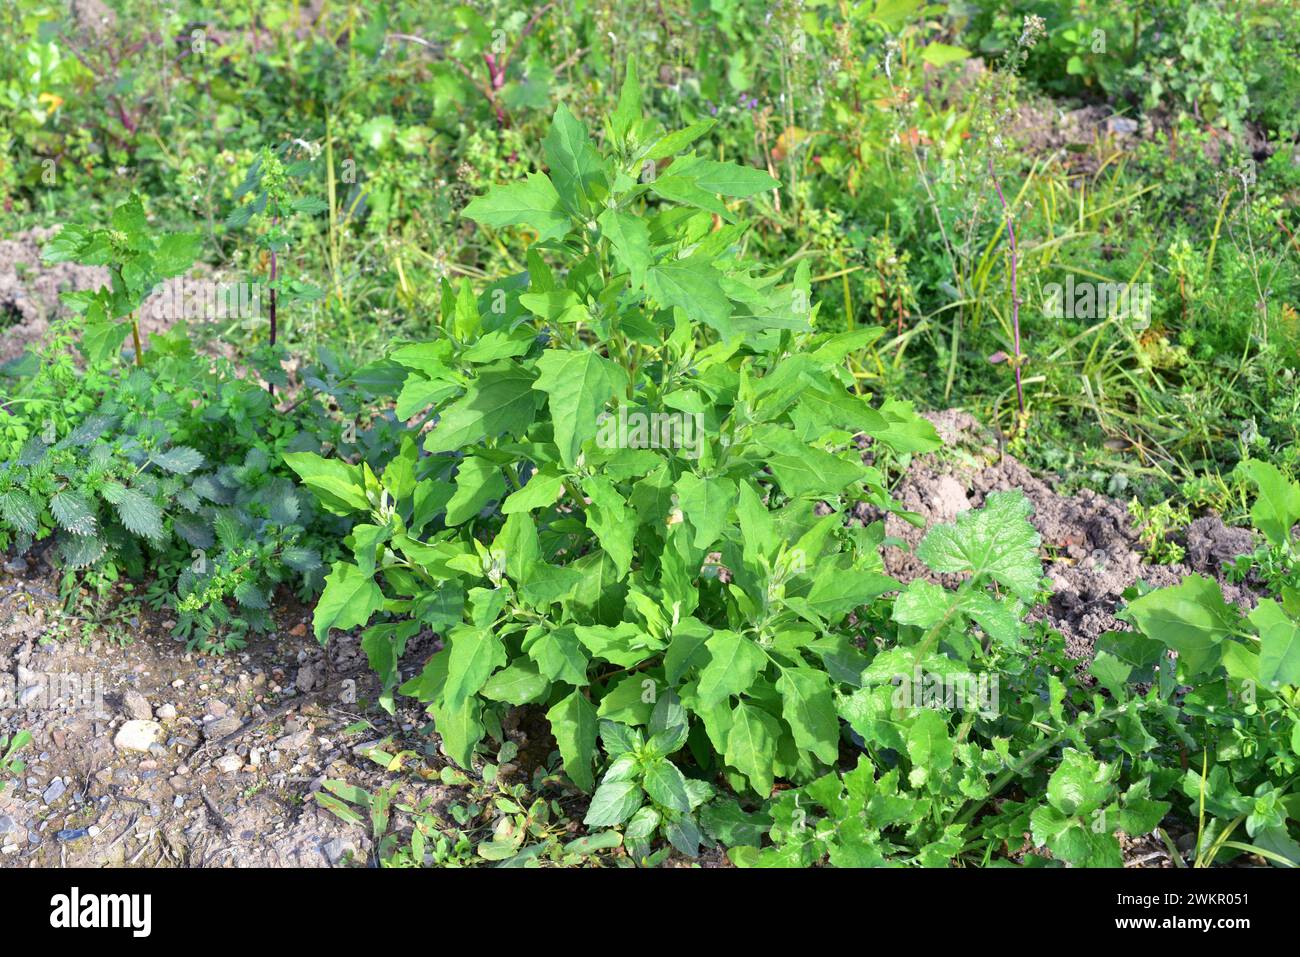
(138, 259)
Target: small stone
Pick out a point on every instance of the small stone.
(8, 825)
(72, 834)
(137, 705)
(299, 629)
(28, 695)
(306, 679)
(333, 850)
(229, 764)
(93, 830)
(138, 735)
(255, 757)
(54, 791)
(215, 730)
(1121, 125)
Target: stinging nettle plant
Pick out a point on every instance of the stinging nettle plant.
(138, 259)
(270, 184)
(685, 613)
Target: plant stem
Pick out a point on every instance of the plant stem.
(1015, 290)
(135, 341)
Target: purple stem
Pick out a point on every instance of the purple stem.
(270, 386)
(1015, 289)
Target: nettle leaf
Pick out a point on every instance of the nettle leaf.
(135, 510)
(20, 510)
(996, 541)
(533, 203)
(73, 511)
(179, 459)
(350, 598)
(577, 385)
(1191, 618)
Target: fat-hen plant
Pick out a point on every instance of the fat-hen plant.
(632, 538)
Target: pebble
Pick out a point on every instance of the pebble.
(221, 727)
(333, 850)
(138, 735)
(167, 713)
(229, 764)
(72, 834)
(137, 705)
(54, 791)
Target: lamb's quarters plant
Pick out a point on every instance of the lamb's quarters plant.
(688, 576)
(138, 257)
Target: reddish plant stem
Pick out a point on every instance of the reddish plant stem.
(270, 386)
(1015, 290)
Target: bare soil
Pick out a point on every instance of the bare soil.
(1091, 550)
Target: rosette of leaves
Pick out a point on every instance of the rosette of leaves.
(138, 257)
(593, 579)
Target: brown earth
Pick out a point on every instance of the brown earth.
(245, 741)
(1090, 547)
